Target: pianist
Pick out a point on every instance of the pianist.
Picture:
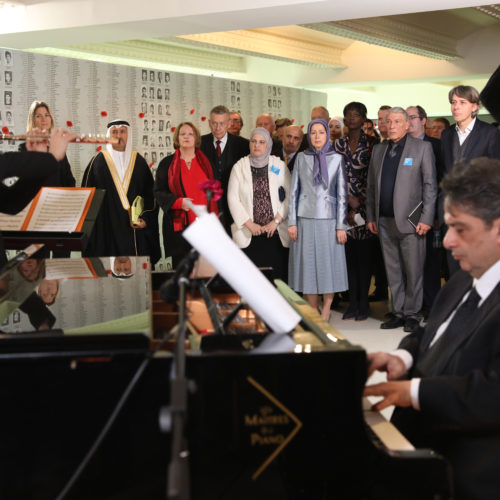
(445, 380)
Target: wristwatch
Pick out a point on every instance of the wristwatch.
(277, 221)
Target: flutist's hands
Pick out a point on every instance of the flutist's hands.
(34, 143)
(59, 141)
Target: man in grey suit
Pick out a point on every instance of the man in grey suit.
(402, 181)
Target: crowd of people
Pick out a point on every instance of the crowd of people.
(326, 210)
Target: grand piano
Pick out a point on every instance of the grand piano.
(270, 416)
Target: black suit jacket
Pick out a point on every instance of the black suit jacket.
(236, 147)
(484, 140)
(291, 162)
(460, 394)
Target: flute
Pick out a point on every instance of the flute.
(82, 139)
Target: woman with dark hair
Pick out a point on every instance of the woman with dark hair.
(317, 220)
(356, 148)
(257, 196)
(177, 183)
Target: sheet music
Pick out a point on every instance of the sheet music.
(207, 235)
(59, 209)
(14, 222)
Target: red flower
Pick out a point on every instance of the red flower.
(69, 123)
(151, 164)
(293, 119)
(5, 130)
(98, 148)
(144, 265)
(191, 112)
(212, 189)
(141, 115)
(203, 118)
(172, 129)
(302, 126)
(104, 113)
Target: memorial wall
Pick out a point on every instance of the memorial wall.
(85, 95)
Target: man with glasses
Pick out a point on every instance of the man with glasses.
(235, 123)
(223, 150)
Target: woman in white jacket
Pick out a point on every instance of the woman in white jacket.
(257, 195)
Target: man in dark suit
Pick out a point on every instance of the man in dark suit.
(292, 139)
(223, 150)
(432, 266)
(402, 181)
(469, 138)
(445, 380)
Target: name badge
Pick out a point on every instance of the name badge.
(408, 161)
(275, 170)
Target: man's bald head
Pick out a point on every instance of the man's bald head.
(266, 121)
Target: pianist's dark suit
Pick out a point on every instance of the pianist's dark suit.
(236, 147)
(460, 395)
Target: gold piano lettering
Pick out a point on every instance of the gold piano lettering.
(258, 439)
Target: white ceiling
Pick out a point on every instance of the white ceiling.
(357, 45)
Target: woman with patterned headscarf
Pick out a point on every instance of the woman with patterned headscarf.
(317, 220)
(257, 196)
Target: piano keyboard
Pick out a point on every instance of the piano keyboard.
(383, 430)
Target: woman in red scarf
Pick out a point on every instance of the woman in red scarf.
(177, 182)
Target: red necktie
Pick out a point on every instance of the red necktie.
(219, 151)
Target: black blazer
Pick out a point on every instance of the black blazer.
(236, 147)
(484, 140)
(460, 394)
(291, 162)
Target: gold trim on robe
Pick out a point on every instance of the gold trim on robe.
(121, 187)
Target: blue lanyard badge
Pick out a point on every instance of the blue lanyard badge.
(408, 161)
(275, 170)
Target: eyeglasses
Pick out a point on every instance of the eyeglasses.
(414, 117)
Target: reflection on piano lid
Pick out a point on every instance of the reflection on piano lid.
(76, 296)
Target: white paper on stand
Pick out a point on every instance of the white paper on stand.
(207, 235)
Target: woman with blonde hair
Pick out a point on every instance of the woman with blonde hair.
(40, 117)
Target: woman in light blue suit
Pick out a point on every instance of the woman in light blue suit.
(317, 221)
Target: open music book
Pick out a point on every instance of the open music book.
(52, 209)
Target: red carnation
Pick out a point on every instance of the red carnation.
(293, 119)
(144, 265)
(69, 123)
(104, 113)
(302, 126)
(213, 190)
(191, 112)
(141, 115)
(151, 164)
(98, 148)
(5, 130)
(203, 118)
(172, 129)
